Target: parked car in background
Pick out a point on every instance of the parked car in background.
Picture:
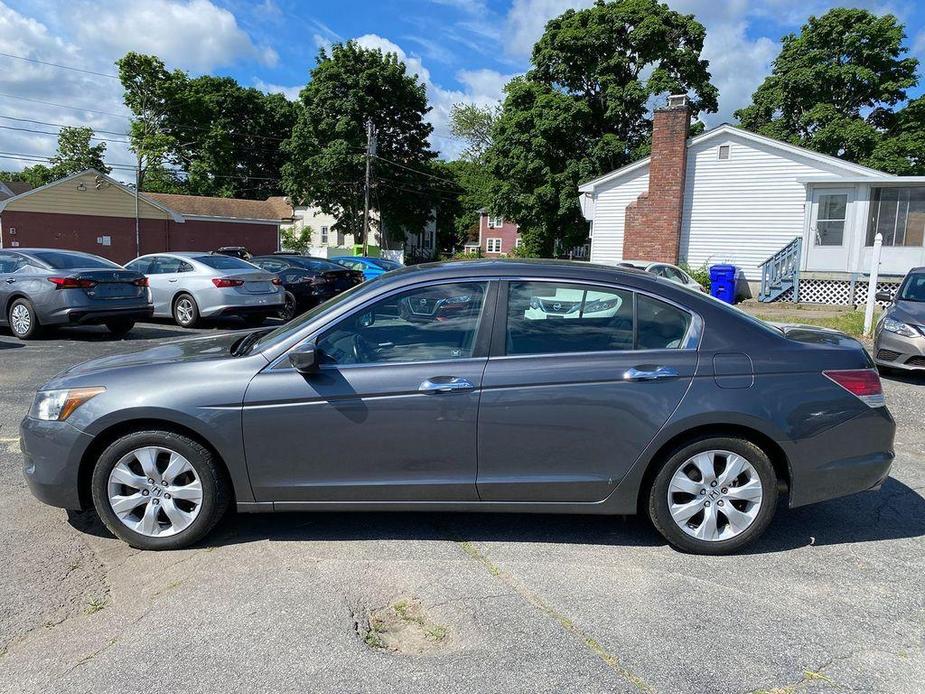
(677, 405)
(45, 287)
(307, 281)
(899, 340)
(370, 267)
(235, 252)
(191, 286)
(666, 270)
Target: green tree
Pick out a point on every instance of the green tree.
(474, 125)
(36, 175)
(901, 149)
(833, 86)
(298, 241)
(326, 164)
(583, 109)
(204, 135)
(75, 153)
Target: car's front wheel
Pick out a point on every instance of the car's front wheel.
(714, 496)
(120, 327)
(159, 490)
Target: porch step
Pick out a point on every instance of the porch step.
(775, 291)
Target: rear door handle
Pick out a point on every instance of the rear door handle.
(173, 280)
(10, 280)
(445, 384)
(649, 373)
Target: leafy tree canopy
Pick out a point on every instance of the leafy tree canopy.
(76, 153)
(326, 163)
(833, 88)
(583, 109)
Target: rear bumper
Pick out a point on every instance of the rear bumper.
(854, 456)
(267, 310)
(51, 460)
(227, 302)
(89, 316)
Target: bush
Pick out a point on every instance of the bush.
(701, 275)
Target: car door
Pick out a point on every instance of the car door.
(580, 380)
(390, 413)
(9, 264)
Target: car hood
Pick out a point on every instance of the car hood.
(908, 312)
(189, 350)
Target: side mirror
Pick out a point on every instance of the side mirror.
(884, 296)
(304, 359)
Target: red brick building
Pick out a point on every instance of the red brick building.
(497, 236)
(94, 213)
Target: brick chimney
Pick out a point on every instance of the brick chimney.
(652, 229)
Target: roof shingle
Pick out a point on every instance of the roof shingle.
(274, 208)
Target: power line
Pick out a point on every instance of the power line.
(72, 108)
(61, 125)
(45, 132)
(40, 158)
(419, 171)
(58, 65)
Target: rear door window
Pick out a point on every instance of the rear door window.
(10, 263)
(659, 325)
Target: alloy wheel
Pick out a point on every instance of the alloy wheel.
(20, 319)
(715, 495)
(155, 491)
(184, 311)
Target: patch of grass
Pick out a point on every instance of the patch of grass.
(850, 322)
(94, 605)
(809, 675)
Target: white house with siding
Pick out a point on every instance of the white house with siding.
(746, 198)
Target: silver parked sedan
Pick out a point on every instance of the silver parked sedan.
(899, 341)
(190, 286)
(47, 287)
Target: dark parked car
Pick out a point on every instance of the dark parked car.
(899, 340)
(673, 404)
(44, 287)
(308, 281)
(234, 251)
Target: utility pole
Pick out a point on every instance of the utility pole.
(137, 223)
(370, 152)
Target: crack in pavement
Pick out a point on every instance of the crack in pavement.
(564, 621)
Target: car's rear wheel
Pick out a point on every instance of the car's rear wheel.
(714, 496)
(23, 322)
(288, 311)
(159, 490)
(185, 311)
(120, 327)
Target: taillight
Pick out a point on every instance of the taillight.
(277, 281)
(71, 283)
(862, 383)
(141, 282)
(221, 282)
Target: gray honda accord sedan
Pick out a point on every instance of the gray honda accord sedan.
(516, 386)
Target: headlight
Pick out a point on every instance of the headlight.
(898, 327)
(58, 405)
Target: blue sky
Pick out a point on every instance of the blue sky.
(464, 50)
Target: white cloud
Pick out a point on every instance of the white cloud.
(291, 93)
(195, 34)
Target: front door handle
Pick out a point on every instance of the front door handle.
(173, 280)
(445, 384)
(648, 373)
(10, 280)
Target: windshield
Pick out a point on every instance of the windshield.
(385, 264)
(296, 324)
(913, 288)
(62, 260)
(224, 262)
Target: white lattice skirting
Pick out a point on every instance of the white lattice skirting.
(838, 292)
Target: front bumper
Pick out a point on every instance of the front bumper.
(898, 352)
(52, 452)
(852, 457)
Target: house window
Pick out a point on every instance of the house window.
(324, 236)
(494, 245)
(495, 222)
(830, 219)
(517, 242)
(340, 238)
(899, 215)
(724, 151)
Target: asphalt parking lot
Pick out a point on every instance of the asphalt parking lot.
(831, 599)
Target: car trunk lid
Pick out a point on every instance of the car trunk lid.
(103, 284)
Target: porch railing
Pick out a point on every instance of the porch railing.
(781, 272)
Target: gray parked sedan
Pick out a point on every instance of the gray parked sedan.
(189, 286)
(45, 287)
(671, 404)
(899, 340)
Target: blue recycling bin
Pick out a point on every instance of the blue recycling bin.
(723, 282)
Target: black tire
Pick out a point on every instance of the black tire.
(289, 309)
(215, 488)
(658, 503)
(183, 318)
(24, 307)
(120, 327)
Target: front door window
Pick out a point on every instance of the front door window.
(830, 219)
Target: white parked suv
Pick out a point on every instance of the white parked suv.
(190, 286)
